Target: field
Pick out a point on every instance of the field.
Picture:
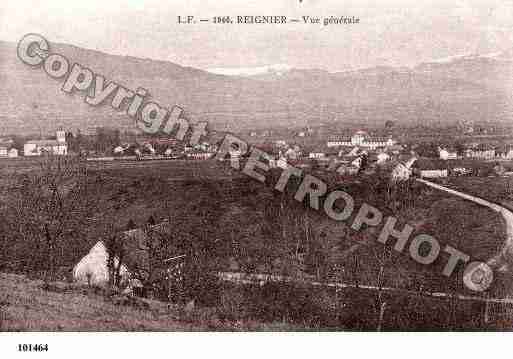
(496, 189)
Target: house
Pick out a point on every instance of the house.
(316, 155)
(382, 157)
(53, 147)
(93, 268)
(173, 153)
(447, 153)
(7, 149)
(428, 168)
(461, 171)
(280, 143)
(358, 162)
(12, 153)
(402, 170)
(119, 150)
(482, 151)
(293, 153)
(353, 152)
(148, 148)
(504, 153)
(360, 139)
(196, 155)
(434, 173)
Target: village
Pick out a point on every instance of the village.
(343, 155)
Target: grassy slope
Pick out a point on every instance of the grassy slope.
(26, 306)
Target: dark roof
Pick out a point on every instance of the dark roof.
(135, 245)
(430, 164)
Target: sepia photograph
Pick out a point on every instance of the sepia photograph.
(300, 171)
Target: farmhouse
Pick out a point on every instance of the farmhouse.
(131, 251)
(92, 269)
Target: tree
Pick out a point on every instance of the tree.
(48, 209)
(389, 124)
(106, 139)
(115, 261)
(427, 149)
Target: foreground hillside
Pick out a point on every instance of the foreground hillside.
(25, 305)
(227, 223)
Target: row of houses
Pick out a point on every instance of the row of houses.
(166, 148)
(482, 152)
(437, 168)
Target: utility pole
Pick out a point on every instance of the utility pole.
(381, 315)
(487, 310)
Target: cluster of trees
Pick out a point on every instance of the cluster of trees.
(104, 140)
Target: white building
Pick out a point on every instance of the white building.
(53, 147)
(447, 154)
(200, 155)
(118, 150)
(428, 168)
(361, 139)
(434, 173)
(12, 153)
(92, 269)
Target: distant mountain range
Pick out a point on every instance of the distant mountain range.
(475, 88)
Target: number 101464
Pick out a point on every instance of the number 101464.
(32, 347)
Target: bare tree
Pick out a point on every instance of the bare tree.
(48, 208)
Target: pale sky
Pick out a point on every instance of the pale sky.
(396, 33)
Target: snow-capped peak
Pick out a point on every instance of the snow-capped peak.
(278, 69)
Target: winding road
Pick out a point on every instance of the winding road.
(502, 261)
